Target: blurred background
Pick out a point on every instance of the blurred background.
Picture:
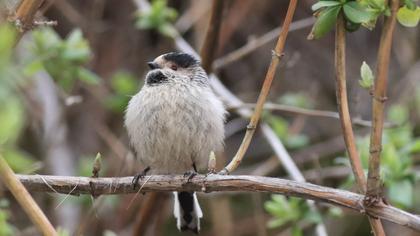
(64, 89)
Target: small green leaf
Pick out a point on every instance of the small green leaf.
(322, 4)
(367, 76)
(87, 76)
(325, 22)
(357, 13)
(407, 17)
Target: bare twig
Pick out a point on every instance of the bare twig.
(307, 112)
(265, 89)
(25, 199)
(24, 15)
(211, 183)
(254, 44)
(212, 35)
(378, 105)
(343, 109)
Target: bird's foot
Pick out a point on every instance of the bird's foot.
(190, 174)
(139, 176)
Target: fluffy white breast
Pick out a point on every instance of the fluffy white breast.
(171, 126)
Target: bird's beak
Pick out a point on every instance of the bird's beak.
(153, 65)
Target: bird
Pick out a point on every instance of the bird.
(174, 123)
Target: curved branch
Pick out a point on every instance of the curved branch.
(276, 55)
(216, 183)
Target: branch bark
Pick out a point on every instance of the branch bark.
(25, 199)
(215, 183)
(24, 16)
(343, 109)
(212, 36)
(378, 105)
(265, 89)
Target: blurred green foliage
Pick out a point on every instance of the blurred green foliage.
(123, 85)
(281, 126)
(6, 229)
(398, 147)
(290, 211)
(12, 112)
(158, 17)
(63, 59)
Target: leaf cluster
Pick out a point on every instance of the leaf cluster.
(158, 17)
(63, 59)
(358, 13)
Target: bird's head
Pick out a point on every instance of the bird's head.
(175, 67)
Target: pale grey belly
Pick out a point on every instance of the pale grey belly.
(171, 144)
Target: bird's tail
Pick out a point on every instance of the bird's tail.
(187, 211)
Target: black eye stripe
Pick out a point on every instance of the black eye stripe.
(181, 59)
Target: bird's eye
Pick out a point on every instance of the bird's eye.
(174, 67)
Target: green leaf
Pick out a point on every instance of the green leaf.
(124, 83)
(378, 5)
(401, 193)
(297, 100)
(19, 161)
(33, 67)
(322, 4)
(407, 17)
(398, 114)
(367, 76)
(410, 4)
(325, 22)
(279, 125)
(296, 231)
(357, 13)
(87, 76)
(12, 120)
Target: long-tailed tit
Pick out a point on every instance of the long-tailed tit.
(174, 122)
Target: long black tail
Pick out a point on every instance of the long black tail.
(187, 211)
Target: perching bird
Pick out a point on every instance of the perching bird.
(174, 122)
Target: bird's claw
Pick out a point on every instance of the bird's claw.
(189, 175)
(139, 176)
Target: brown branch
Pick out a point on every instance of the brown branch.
(265, 89)
(215, 183)
(25, 199)
(212, 36)
(254, 44)
(307, 112)
(378, 105)
(24, 15)
(343, 109)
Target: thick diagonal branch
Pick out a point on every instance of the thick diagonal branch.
(276, 55)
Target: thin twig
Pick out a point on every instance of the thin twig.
(24, 16)
(25, 199)
(254, 44)
(212, 35)
(212, 183)
(378, 105)
(307, 112)
(343, 109)
(265, 89)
